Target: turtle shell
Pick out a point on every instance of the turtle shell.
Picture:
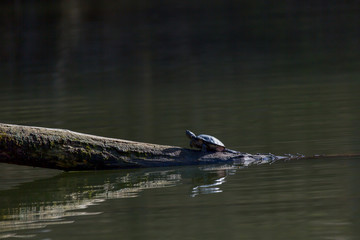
(212, 142)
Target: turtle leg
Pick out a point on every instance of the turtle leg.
(204, 148)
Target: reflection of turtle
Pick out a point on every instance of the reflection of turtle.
(207, 143)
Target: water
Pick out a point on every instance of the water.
(307, 199)
(262, 77)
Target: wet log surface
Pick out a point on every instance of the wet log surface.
(68, 150)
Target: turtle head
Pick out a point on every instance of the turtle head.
(195, 142)
(190, 134)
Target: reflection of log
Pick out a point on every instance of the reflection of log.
(28, 206)
(34, 208)
(67, 150)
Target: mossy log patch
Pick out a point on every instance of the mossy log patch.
(68, 150)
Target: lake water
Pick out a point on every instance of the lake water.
(260, 76)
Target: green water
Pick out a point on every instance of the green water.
(308, 199)
(260, 76)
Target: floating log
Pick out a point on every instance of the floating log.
(68, 150)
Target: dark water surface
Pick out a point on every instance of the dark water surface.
(261, 76)
(308, 199)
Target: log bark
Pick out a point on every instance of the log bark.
(68, 150)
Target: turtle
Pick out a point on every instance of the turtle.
(207, 143)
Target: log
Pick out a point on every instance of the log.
(67, 150)
(71, 151)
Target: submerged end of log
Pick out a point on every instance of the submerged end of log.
(68, 150)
